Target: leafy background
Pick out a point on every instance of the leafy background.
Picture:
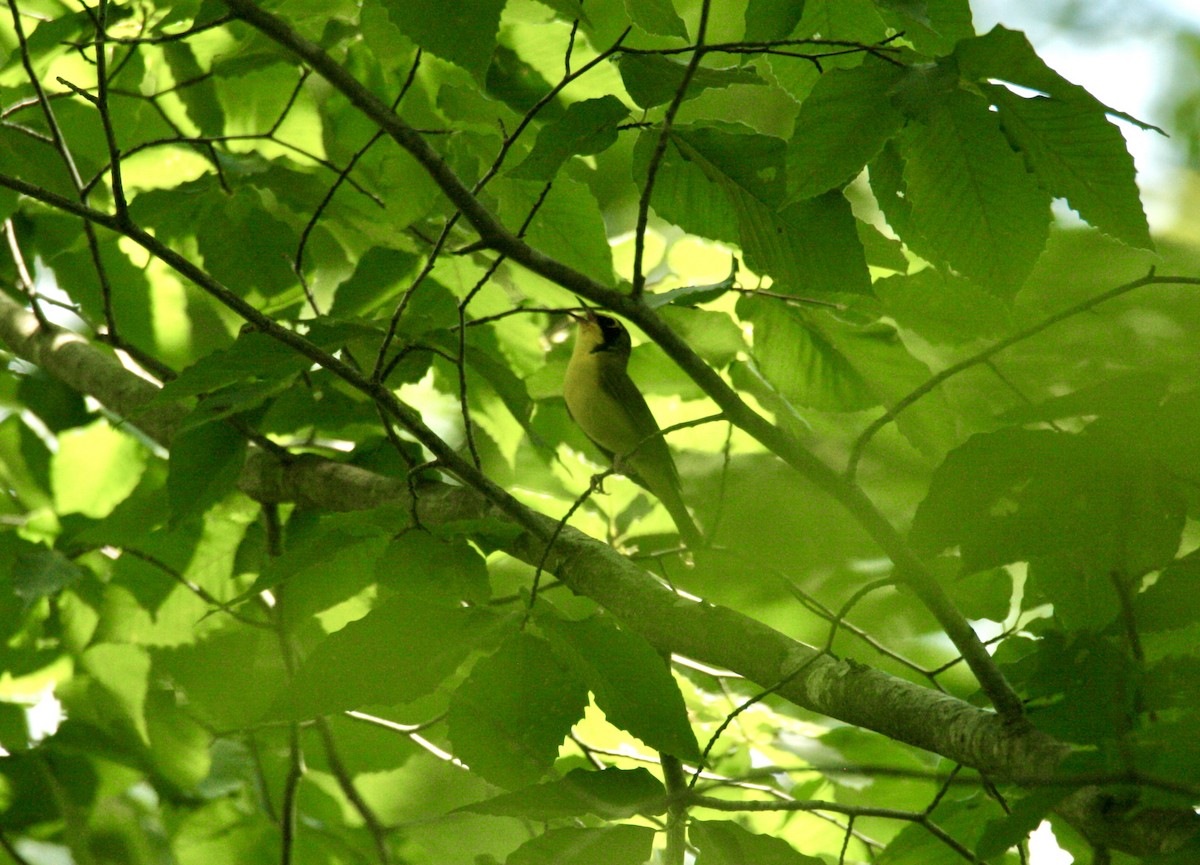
(850, 208)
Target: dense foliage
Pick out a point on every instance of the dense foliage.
(300, 537)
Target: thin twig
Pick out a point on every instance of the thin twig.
(949, 372)
(660, 150)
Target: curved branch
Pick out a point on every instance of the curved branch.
(493, 234)
(848, 691)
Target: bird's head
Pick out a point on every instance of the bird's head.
(600, 332)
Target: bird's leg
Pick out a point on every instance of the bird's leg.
(598, 479)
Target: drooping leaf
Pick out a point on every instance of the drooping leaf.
(1079, 155)
(972, 199)
(569, 225)
(123, 671)
(40, 572)
(399, 651)
(425, 566)
(656, 16)
(508, 719)
(1018, 494)
(587, 127)
(943, 308)
(205, 464)
(631, 683)
(820, 361)
(651, 79)
(805, 246)
(842, 125)
(463, 33)
(95, 468)
(1006, 55)
(768, 20)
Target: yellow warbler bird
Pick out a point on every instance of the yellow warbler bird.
(603, 400)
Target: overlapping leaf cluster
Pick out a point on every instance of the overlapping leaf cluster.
(240, 678)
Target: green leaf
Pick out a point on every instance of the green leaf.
(983, 595)
(434, 569)
(123, 671)
(509, 717)
(807, 246)
(568, 227)
(1174, 682)
(684, 194)
(95, 468)
(723, 842)
(252, 356)
(842, 125)
(733, 157)
(933, 26)
(484, 357)
(1017, 494)
(611, 793)
(962, 820)
(463, 33)
(230, 678)
(1079, 155)
(519, 85)
(1129, 395)
(205, 464)
(1070, 674)
(1172, 602)
(203, 107)
(59, 407)
(943, 308)
(817, 360)
(179, 745)
(610, 845)
(972, 199)
(715, 336)
(844, 20)
(401, 650)
(651, 79)
(587, 127)
(380, 276)
(245, 247)
(39, 572)
(656, 16)
(631, 683)
(690, 295)
(35, 783)
(800, 362)
(24, 464)
(1006, 55)
(769, 20)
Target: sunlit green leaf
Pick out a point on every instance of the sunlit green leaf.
(631, 682)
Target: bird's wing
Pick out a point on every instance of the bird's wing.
(650, 465)
(652, 457)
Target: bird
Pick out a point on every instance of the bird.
(604, 402)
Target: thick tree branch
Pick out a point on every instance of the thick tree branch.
(493, 234)
(845, 690)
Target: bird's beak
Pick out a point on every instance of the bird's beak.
(588, 315)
